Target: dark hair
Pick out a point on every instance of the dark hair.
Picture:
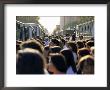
(30, 61)
(80, 44)
(18, 42)
(59, 62)
(32, 44)
(73, 45)
(80, 37)
(73, 37)
(86, 60)
(55, 49)
(84, 42)
(83, 51)
(17, 47)
(69, 59)
(63, 41)
(90, 43)
(55, 41)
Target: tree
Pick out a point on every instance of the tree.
(28, 19)
(84, 19)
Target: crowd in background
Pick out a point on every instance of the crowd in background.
(55, 55)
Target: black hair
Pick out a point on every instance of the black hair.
(55, 49)
(80, 44)
(83, 51)
(59, 62)
(90, 43)
(73, 45)
(55, 41)
(30, 61)
(69, 59)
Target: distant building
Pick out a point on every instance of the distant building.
(86, 28)
(64, 20)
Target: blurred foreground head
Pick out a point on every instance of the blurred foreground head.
(86, 65)
(30, 61)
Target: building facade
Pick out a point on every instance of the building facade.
(86, 28)
(64, 20)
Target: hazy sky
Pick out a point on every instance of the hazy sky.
(49, 22)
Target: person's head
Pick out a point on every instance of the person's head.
(68, 54)
(18, 42)
(84, 42)
(92, 39)
(55, 49)
(63, 41)
(32, 44)
(72, 45)
(81, 37)
(83, 52)
(30, 61)
(54, 42)
(89, 44)
(73, 37)
(57, 64)
(40, 41)
(80, 44)
(86, 65)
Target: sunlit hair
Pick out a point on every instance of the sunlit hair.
(55, 49)
(83, 51)
(90, 44)
(32, 44)
(87, 60)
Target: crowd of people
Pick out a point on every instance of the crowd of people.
(55, 55)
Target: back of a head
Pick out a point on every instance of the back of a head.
(86, 65)
(18, 42)
(59, 62)
(80, 44)
(90, 44)
(73, 37)
(55, 41)
(30, 61)
(32, 44)
(73, 46)
(83, 51)
(63, 41)
(69, 58)
(55, 49)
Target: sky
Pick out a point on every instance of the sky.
(49, 22)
